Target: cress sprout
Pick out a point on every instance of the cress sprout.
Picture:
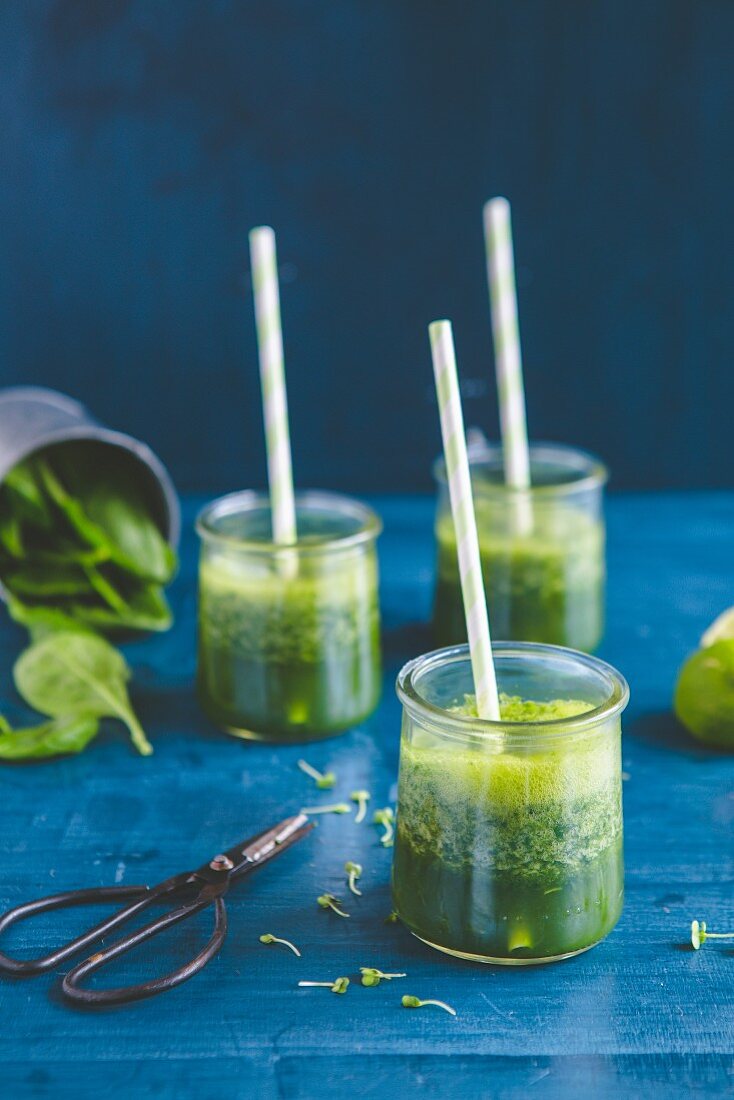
(414, 1002)
(699, 934)
(268, 937)
(361, 798)
(372, 976)
(334, 808)
(328, 901)
(386, 818)
(339, 985)
(324, 780)
(354, 870)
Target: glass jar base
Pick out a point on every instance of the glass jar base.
(490, 960)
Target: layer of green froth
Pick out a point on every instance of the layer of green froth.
(558, 531)
(515, 709)
(542, 813)
(545, 585)
(270, 616)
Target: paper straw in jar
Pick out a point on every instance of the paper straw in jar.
(272, 381)
(507, 354)
(462, 510)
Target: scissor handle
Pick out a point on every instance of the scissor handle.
(126, 993)
(144, 897)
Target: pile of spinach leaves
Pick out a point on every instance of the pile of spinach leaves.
(81, 556)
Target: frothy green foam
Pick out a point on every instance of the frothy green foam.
(528, 812)
(274, 616)
(543, 585)
(515, 709)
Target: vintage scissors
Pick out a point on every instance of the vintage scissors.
(188, 893)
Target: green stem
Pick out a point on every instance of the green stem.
(335, 808)
(137, 733)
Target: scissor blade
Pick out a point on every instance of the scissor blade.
(259, 849)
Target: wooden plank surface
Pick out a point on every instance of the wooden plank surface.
(641, 1015)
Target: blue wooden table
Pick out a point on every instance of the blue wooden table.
(641, 1015)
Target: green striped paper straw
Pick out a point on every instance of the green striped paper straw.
(508, 359)
(462, 510)
(272, 380)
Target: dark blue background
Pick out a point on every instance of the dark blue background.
(141, 140)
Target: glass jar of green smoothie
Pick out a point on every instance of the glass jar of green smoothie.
(509, 834)
(289, 636)
(542, 549)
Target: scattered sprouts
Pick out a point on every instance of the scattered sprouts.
(339, 985)
(324, 780)
(268, 937)
(361, 798)
(414, 1002)
(699, 934)
(328, 901)
(354, 870)
(334, 808)
(372, 976)
(386, 818)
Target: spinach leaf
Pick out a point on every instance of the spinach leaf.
(68, 672)
(79, 553)
(104, 588)
(59, 736)
(11, 538)
(26, 497)
(146, 608)
(105, 506)
(69, 506)
(63, 552)
(40, 619)
(37, 581)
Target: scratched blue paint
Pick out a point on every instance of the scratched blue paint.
(142, 140)
(640, 1016)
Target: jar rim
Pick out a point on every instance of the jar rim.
(592, 472)
(512, 734)
(250, 500)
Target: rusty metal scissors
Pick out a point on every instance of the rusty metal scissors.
(187, 893)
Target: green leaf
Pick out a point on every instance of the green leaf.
(38, 581)
(146, 609)
(104, 588)
(54, 549)
(104, 504)
(60, 736)
(40, 619)
(68, 672)
(11, 538)
(69, 507)
(27, 498)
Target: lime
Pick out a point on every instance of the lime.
(722, 627)
(704, 694)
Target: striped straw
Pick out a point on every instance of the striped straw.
(462, 509)
(272, 380)
(508, 360)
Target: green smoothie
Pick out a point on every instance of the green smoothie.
(546, 585)
(513, 856)
(288, 657)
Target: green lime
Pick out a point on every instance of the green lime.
(704, 694)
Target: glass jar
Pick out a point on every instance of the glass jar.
(508, 846)
(289, 637)
(542, 549)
